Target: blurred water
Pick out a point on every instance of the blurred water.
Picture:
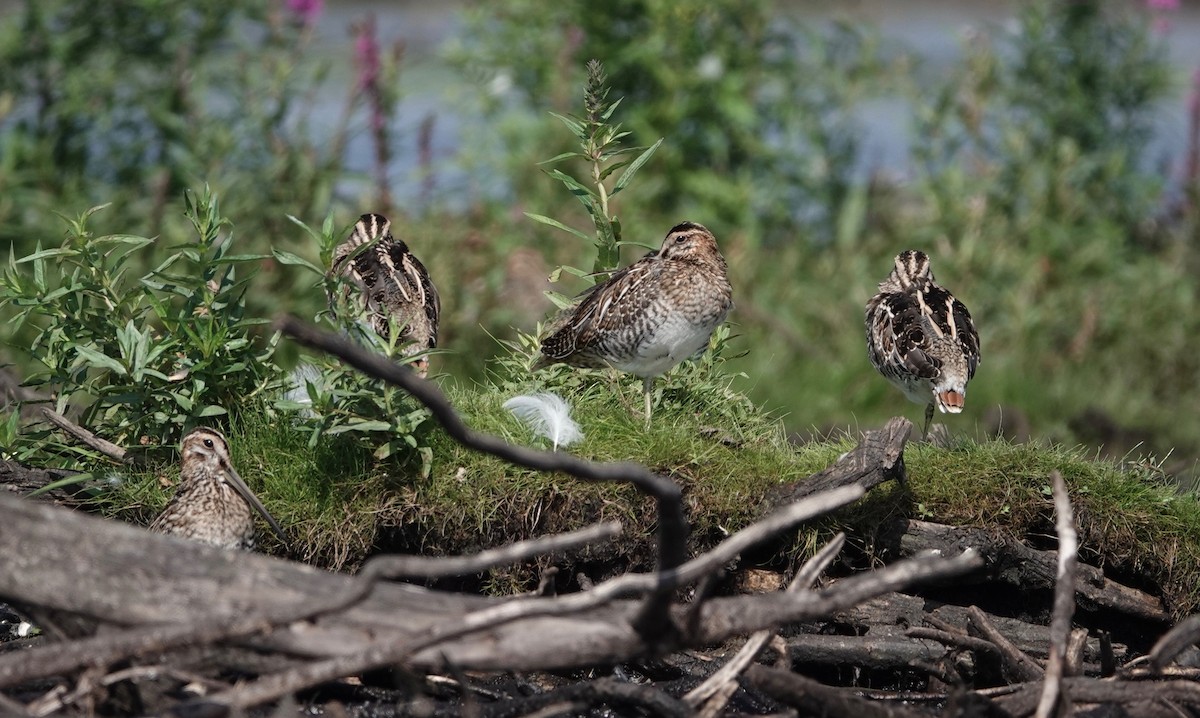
(934, 30)
(431, 91)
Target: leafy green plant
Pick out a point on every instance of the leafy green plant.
(141, 359)
(600, 145)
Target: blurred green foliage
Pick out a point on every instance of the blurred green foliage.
(741, 94)
(130, 103)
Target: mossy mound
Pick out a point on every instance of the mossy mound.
(340, 506)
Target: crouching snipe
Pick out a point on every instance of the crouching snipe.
(389, 285)
(211, 504)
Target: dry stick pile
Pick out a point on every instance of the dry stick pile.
(135, 616)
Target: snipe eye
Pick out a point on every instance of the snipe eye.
(208, 443)
(681, 239)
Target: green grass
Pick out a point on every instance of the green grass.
(338, 503)
(327, 497)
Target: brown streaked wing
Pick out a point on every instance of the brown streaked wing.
(968, 337)
(594, 311)
(431, 302)
(953, 320)
(899, 326)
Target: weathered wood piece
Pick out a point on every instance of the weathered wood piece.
(1010, 561)
(815, 699)
(18, 479)
(894, 610)
(713, 694)
(1052, 701)
(879, 457)
(136, 578)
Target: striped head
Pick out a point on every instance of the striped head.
(911, 270)
(204, 459)
(204, 454)
(368, 229)
(689, 241)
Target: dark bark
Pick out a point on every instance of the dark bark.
(814, 699)
(1010, 561)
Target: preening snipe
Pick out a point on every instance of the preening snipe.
(921, 338)
(388, 286)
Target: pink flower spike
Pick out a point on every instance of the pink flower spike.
(366, 53)
(305, 11)
(1194, 98)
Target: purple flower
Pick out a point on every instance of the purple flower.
(306, 12)
(1158, 10)
(366, 53)
(1194, 98)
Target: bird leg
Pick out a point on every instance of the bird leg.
(647, 384)
(928, 419)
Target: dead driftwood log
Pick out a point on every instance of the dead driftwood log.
(242, 630)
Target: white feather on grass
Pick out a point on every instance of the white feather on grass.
(548, 416)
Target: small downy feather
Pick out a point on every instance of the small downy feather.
(548, 416)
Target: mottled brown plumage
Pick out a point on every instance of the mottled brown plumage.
(211, 504)
(651, 315)
(921, 338)
(390, 284)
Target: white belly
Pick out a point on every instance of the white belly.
(672, 341)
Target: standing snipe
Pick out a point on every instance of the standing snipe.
(392, 285)
(921, 338)
(211, 504)
(651, 315)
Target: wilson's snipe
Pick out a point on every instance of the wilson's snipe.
(921, 338)
(211, 504)
(392, 285)
(651, 315)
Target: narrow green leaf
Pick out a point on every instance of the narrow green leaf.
(560, 300)
(39, 275)
(643, 245)
(47, 253)
(560, 158)
(292, 405)
(613, 168)
(133, 240)
(184, 402)
(239, 258)
(573, 184)
(628, 174)
(559, 225)
(574, 125)
(295, 260)
(65, 481)
(576, 271)
(97, 359)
